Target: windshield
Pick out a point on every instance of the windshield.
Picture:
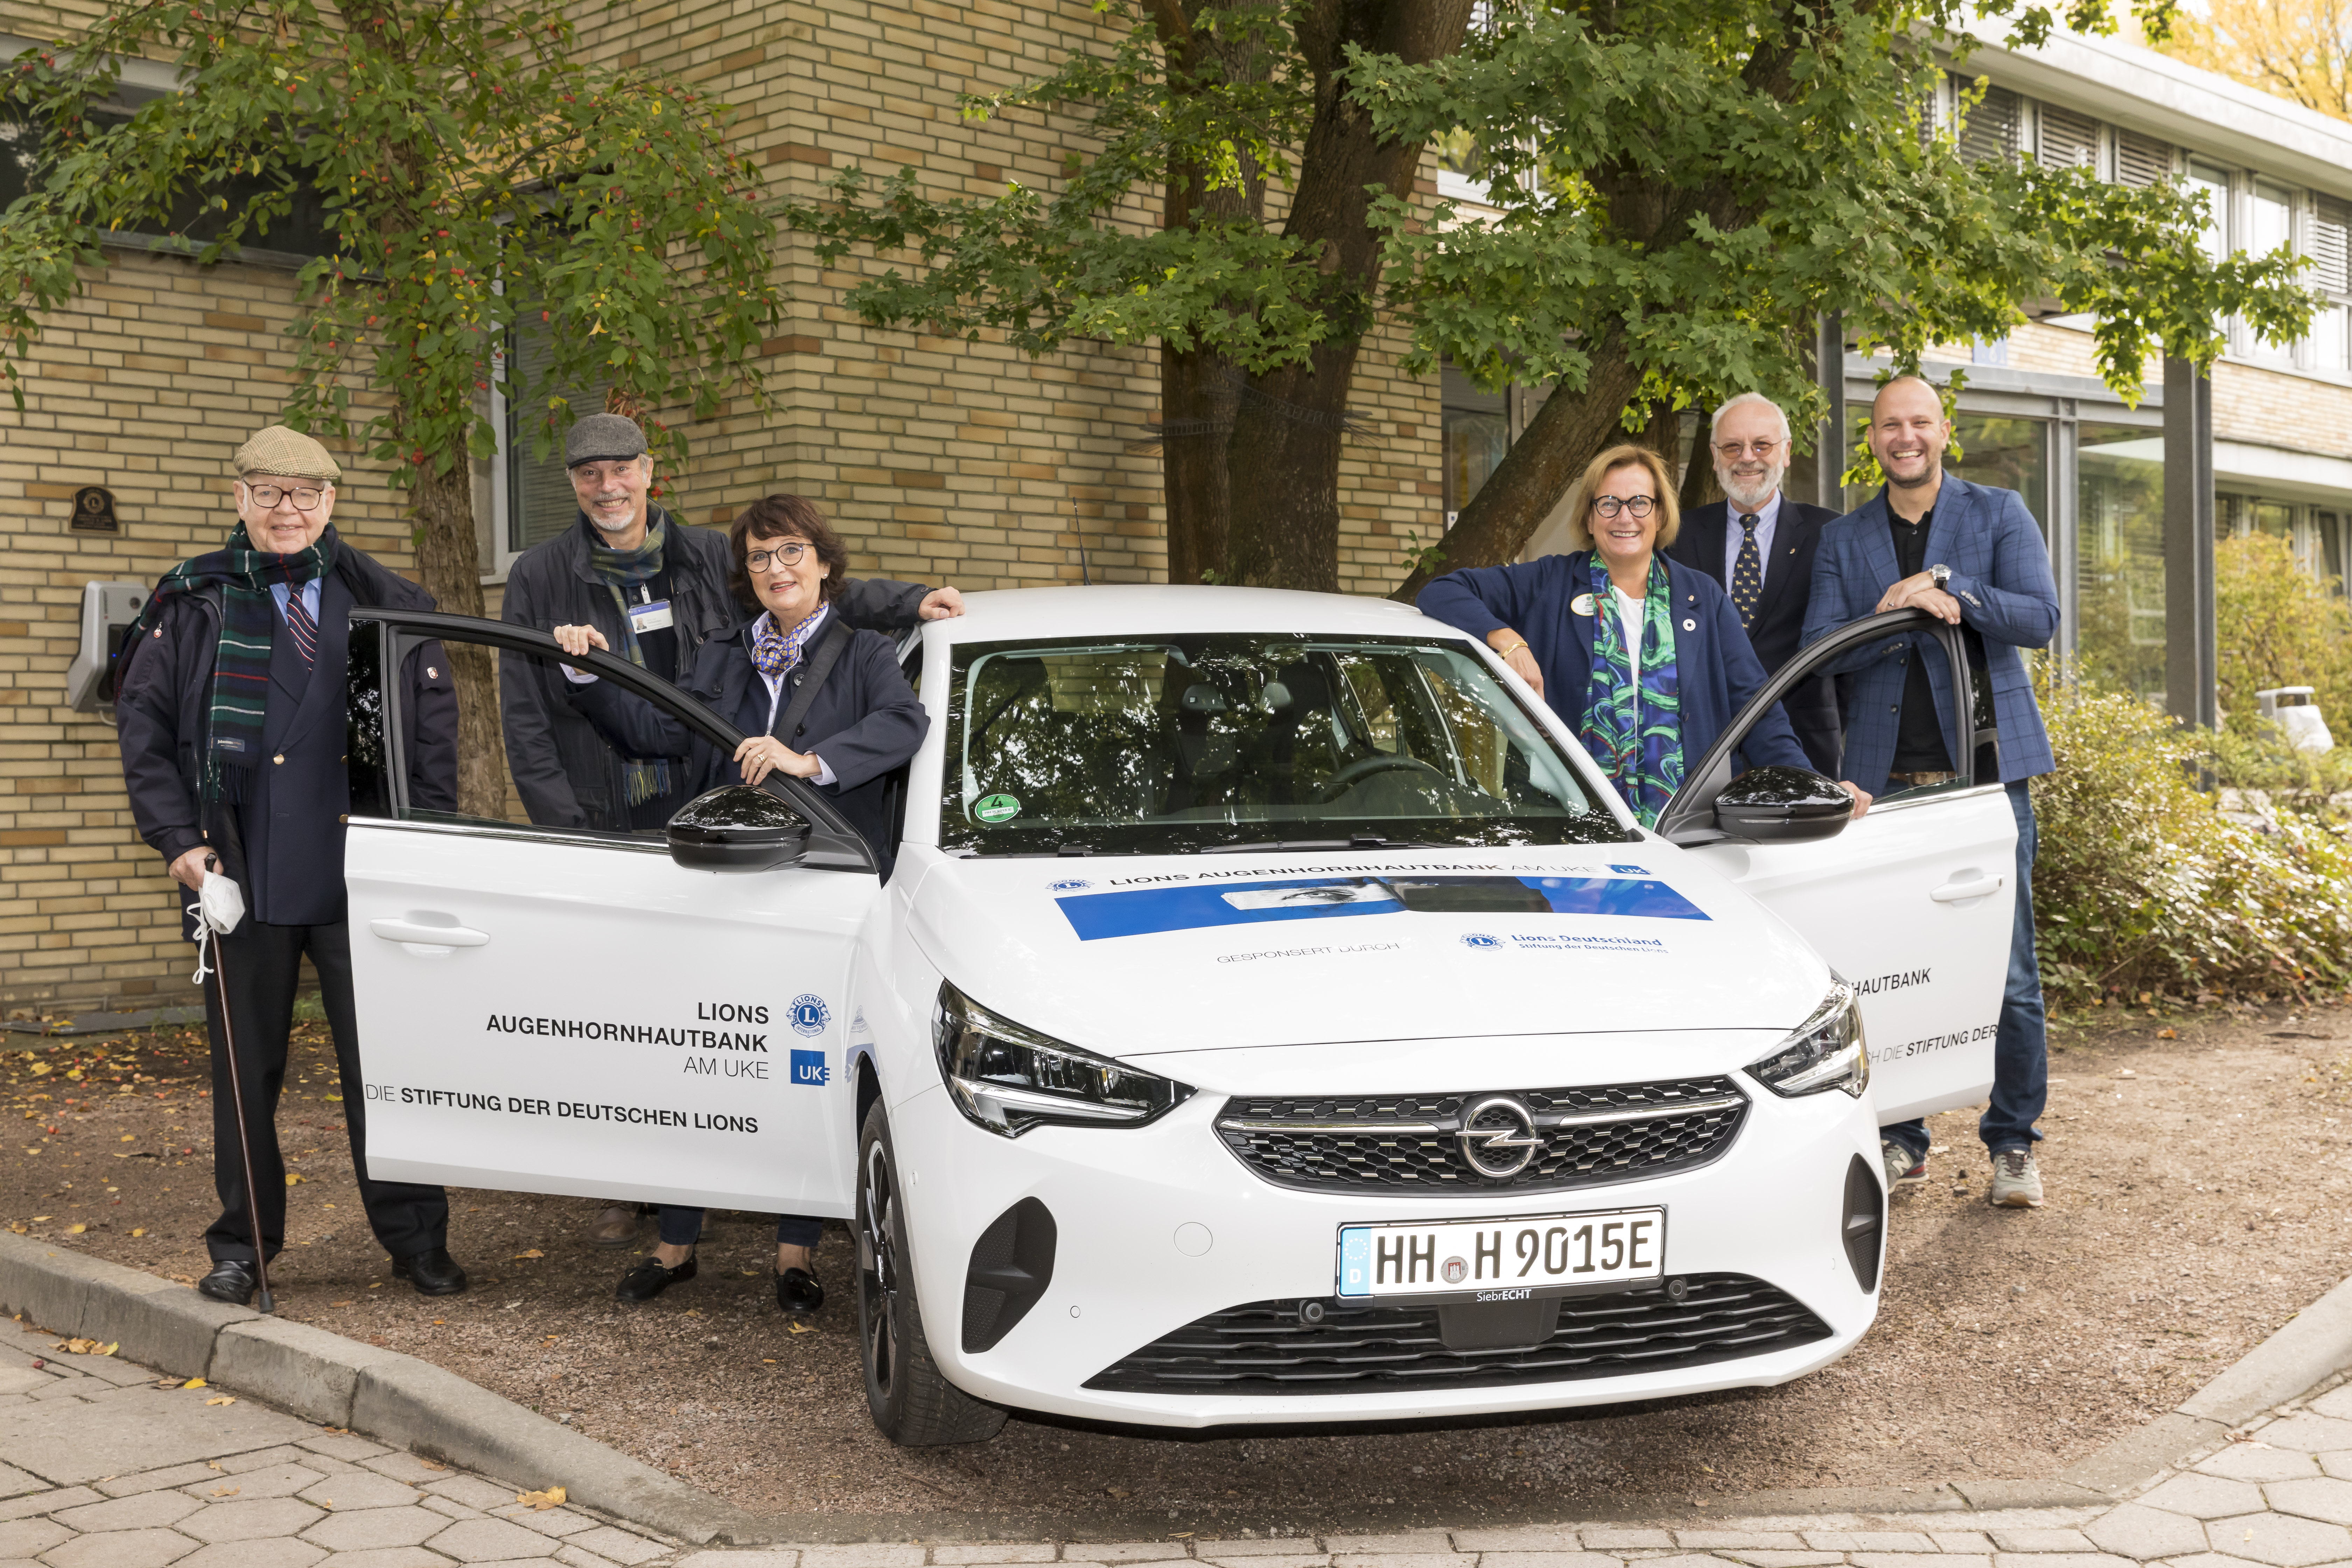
(1154, 744)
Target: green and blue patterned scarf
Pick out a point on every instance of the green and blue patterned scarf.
(1634, 724)
(240, 700)
(620, 571)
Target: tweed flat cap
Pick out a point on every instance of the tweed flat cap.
(603, 439)
(289, 453)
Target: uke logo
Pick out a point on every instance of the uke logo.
(808, 1067)
(809, 1014)
(1480, 939)
(1499, 1136)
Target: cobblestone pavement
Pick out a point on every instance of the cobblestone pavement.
(105, 1465)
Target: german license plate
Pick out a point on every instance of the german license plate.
(1503, 1259)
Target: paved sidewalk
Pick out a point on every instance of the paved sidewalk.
(105, 1465)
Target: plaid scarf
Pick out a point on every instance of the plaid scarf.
(621, 570)
(1634, 724)
(241, 660)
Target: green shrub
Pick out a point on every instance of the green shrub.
(2277, 624)
(2142, 885)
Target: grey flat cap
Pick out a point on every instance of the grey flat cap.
(603, 439)
(287, 454)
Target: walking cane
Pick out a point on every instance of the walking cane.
(237, 1097)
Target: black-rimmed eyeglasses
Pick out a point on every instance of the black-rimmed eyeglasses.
(267, 497)
(1610, 506)
(791, 554)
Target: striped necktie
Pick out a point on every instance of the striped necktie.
(1747, 573)
(303, 625)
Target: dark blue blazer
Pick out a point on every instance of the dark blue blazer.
(2000, 574)
(864, 723)
(1716, 671)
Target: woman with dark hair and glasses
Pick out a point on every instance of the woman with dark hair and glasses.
(1643, 658)
(863, 723)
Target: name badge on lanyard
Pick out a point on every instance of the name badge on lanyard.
(650, 617)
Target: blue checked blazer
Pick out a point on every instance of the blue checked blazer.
(2000, 574)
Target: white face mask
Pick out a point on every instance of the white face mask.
(219, 906)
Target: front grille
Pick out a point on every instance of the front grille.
(1265, 1347)
(1607, 1133)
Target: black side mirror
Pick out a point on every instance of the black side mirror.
(737, 828)
(1782, 806)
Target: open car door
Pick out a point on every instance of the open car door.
(1912, 903)
(561, 1006)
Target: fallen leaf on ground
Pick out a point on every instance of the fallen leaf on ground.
(76, 1229)
(226, 1491)
(551, 1498)
(799, 1329)
(433, 1464)
(2168, 1034)
(295, 1178)
(196, 1382)
(141, 1231)
(89, 1347)
(43, 1218)
(222, 1399)
(534, 1252)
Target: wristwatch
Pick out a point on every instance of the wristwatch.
(1942, 575)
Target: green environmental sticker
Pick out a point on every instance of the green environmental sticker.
(997, 808)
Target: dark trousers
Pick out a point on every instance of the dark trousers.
(683, 1228)
(258, 968)
(2021, 1044)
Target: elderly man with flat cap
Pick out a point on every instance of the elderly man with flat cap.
(657, 589)
(231, 706)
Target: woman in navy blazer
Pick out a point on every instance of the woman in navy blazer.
(1540, 615)
(864, 723)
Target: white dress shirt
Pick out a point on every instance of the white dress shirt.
(309, 598)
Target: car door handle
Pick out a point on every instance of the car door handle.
(429, 936)
(1956, 892)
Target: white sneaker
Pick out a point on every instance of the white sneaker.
(2016, 1180)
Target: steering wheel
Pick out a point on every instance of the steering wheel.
(1363, 768)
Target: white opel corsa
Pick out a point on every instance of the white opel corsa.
(1272, 1016)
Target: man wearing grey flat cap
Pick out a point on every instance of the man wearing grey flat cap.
(232, 724)
(657, 588)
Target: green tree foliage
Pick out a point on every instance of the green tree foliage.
(474, 174)
(2142, 886)
(1683, 185)
(2276, 624)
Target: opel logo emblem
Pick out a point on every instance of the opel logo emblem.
(1499, 1136)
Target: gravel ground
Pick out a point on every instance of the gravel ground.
(2198, 1199)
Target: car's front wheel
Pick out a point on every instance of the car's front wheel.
(913, 1402)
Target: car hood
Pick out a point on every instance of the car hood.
(1200, 952)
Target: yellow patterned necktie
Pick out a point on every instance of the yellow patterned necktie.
(1747, 573)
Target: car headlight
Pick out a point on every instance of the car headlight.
(1008, 1078)
(1827, 1051)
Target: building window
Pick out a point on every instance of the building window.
(537, 492)
(2119, 522)
(2006, 453)
(1477, 432)
(2270, 225)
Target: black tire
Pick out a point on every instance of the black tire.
(912, 1401)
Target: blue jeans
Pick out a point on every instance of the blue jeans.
(2021, 1047)
(683, 1228)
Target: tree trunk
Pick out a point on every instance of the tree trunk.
(1197, 393)
(1699, 485)
(1284, 456)
(1568, 432)
(449, 562)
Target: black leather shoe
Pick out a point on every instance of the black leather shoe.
(798, 1290)
(651, 1278)
(233, 1280)
(433, 1271)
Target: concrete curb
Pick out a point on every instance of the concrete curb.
(398, 1399)
(336, 1381)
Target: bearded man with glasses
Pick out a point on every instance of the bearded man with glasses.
(232, 716)
(1759, 544)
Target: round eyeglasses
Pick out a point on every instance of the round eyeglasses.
(267, 497)
(1610, 506)
(791, 554)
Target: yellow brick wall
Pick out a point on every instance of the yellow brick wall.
(146, 385)
(941, 460)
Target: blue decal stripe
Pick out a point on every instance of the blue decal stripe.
(1145, 912)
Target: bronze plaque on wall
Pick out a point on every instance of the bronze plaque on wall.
(93, 511)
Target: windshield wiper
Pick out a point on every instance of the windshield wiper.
(1356, 841)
